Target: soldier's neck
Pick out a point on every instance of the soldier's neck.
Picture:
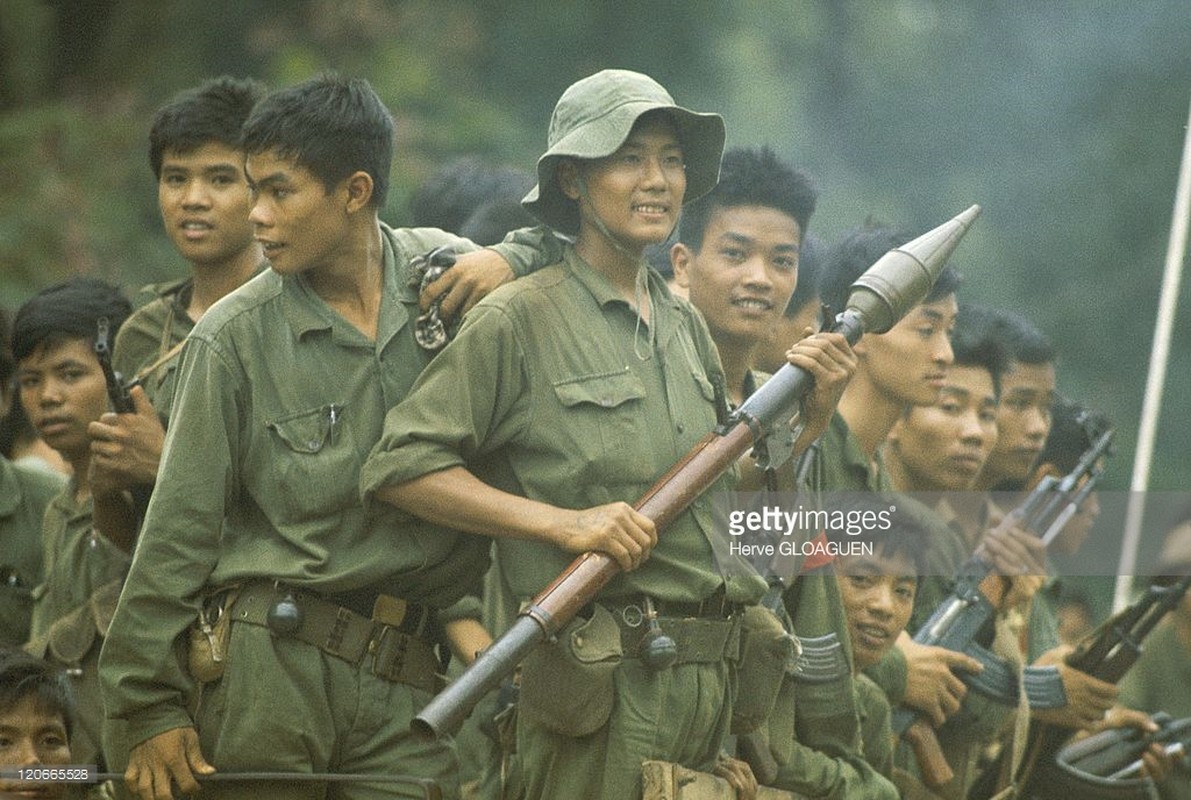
(213, 281)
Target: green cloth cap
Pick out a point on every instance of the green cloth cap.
(593, 118)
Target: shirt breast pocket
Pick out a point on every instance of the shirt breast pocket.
(605, 420)
(316, 467)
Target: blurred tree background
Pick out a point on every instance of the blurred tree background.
(1064, 120)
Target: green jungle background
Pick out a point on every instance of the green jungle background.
(1064, 120)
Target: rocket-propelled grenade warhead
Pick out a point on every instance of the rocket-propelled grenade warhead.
(902, 277)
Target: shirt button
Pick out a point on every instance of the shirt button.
(681, 428)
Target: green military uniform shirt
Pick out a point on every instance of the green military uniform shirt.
(73, 606)
(567, 402)
(148, 335)
(24, 494)
(571, 400)
(281, 401)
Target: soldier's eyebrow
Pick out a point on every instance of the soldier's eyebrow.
(742, 239)
(223, 169)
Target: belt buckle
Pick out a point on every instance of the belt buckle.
(389, 610)
(388, 648)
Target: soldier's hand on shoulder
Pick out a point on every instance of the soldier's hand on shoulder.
(474, 275)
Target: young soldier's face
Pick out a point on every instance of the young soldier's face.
(63, 390)
(943, 447)
(204, 200)
(637, 191)
(1023, 422)
(300, 225)
(908, 364)
(744, 273)
(878, 597)
(32, 737)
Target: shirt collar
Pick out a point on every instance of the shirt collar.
(305, 311)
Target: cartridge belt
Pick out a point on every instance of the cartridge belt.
(395, 644)
(700, 640)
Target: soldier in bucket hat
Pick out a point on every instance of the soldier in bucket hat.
(584, 383)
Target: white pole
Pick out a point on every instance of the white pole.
(1156, 381)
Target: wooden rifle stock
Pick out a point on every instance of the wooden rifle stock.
(936, 772)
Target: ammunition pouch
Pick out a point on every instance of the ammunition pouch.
(700, 640)
(567, 685)
(397, 644)
(767, 654)
(206, 656)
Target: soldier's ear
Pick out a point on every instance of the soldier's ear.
(680, 261)
(569, 178)
(359, 190)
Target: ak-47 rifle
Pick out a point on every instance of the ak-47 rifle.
(117, 391)
(121, 400)
(977, 596)
(880, 297)
(1107, 654)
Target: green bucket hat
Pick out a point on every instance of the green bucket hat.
(593, 118)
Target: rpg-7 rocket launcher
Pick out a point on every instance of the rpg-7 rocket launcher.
(897, 282)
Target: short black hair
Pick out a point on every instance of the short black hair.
(461, 188)
(22, 675)
(66, 311)
(1073, 429)
(862, 247)
(974, 344)
(213, 111)
(750, 177)
(329, 125)
(1023, 341)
